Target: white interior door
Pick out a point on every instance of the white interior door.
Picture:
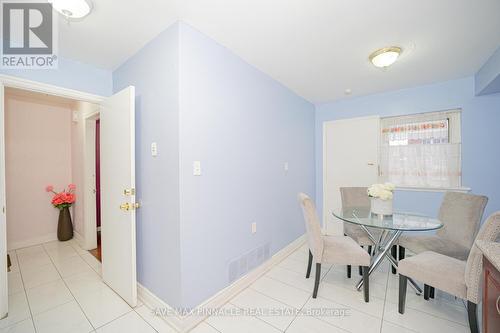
(118, 194)
(350, 158)
(3, 226)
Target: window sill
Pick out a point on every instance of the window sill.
(433, 189)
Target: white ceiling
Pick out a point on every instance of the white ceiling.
(317, 48)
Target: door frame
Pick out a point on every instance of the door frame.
(325, 213)
(89, 200)
(15, 82)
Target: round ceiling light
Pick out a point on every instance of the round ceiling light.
(72, 9)
(385, 57)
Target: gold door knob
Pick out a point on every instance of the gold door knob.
(128, 206)
(125, 206)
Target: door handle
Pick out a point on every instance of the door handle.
(128, 206)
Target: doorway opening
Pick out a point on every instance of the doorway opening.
(45, 138)
(58, 147)
(94, 125)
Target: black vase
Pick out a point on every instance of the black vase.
(64, 225)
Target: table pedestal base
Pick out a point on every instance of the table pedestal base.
(382, 251)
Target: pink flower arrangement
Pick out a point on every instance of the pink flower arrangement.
(62, 199)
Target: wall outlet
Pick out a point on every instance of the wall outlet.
(254, 227)
(196, 168)
(285, 166)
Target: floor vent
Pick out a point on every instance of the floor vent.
(248, 261)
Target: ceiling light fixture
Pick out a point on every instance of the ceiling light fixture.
(72, 9)
(385, 57)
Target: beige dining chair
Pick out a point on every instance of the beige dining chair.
(357, 197)
(456, 277)
(335, 250)
(461, 215)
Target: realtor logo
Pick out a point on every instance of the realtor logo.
(28, 35)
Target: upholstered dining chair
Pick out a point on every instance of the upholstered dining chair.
(461, 214)
(454, 276)
(357, 197)
(335, 250)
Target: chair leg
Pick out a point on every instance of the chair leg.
(427, 291)
(401, 253)
(472, 312)
(348, 271)
(316, 281)
(431, 292)
(394, 253)
(370, 250)
(360, 268)
(366, 283)
(403, 282)
(309, 264)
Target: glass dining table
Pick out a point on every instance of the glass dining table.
(392, 226)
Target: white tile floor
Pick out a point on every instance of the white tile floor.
(56, 287)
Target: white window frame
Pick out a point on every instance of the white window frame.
(454, 136)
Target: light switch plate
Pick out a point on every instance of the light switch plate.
(196, 168)
(254, 227)
(154, 149)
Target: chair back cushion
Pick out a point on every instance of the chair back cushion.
(354, 197)
(313, 228)
(461, 214)
(473, 270)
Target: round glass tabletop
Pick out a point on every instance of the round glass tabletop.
(398, 221)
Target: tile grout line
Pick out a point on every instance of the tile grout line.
(424, 312)
(256, 317)
(250, 287)
(26, 294)
(385, 298)
(96, 328)
(26, 297)
(310, 297)
(207, 323)
(74, 297)
(120, 316)
(144, 319)
(132, 309)
(328, 299)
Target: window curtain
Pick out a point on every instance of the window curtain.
(421, 150)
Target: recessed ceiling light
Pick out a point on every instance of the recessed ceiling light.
(72, 9)
(385, 57)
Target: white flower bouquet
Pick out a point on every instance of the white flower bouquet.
(381, 198)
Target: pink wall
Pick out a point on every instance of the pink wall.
(38, 152)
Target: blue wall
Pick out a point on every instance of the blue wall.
(199, 101)
(480, 135)
(70, 74)
(243, 126)
(487, 79)
(154, 71)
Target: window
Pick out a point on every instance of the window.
(422, 150)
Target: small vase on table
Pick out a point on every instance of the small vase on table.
(381, 197)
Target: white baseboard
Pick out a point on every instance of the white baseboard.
(31, 242)
(187, 322)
